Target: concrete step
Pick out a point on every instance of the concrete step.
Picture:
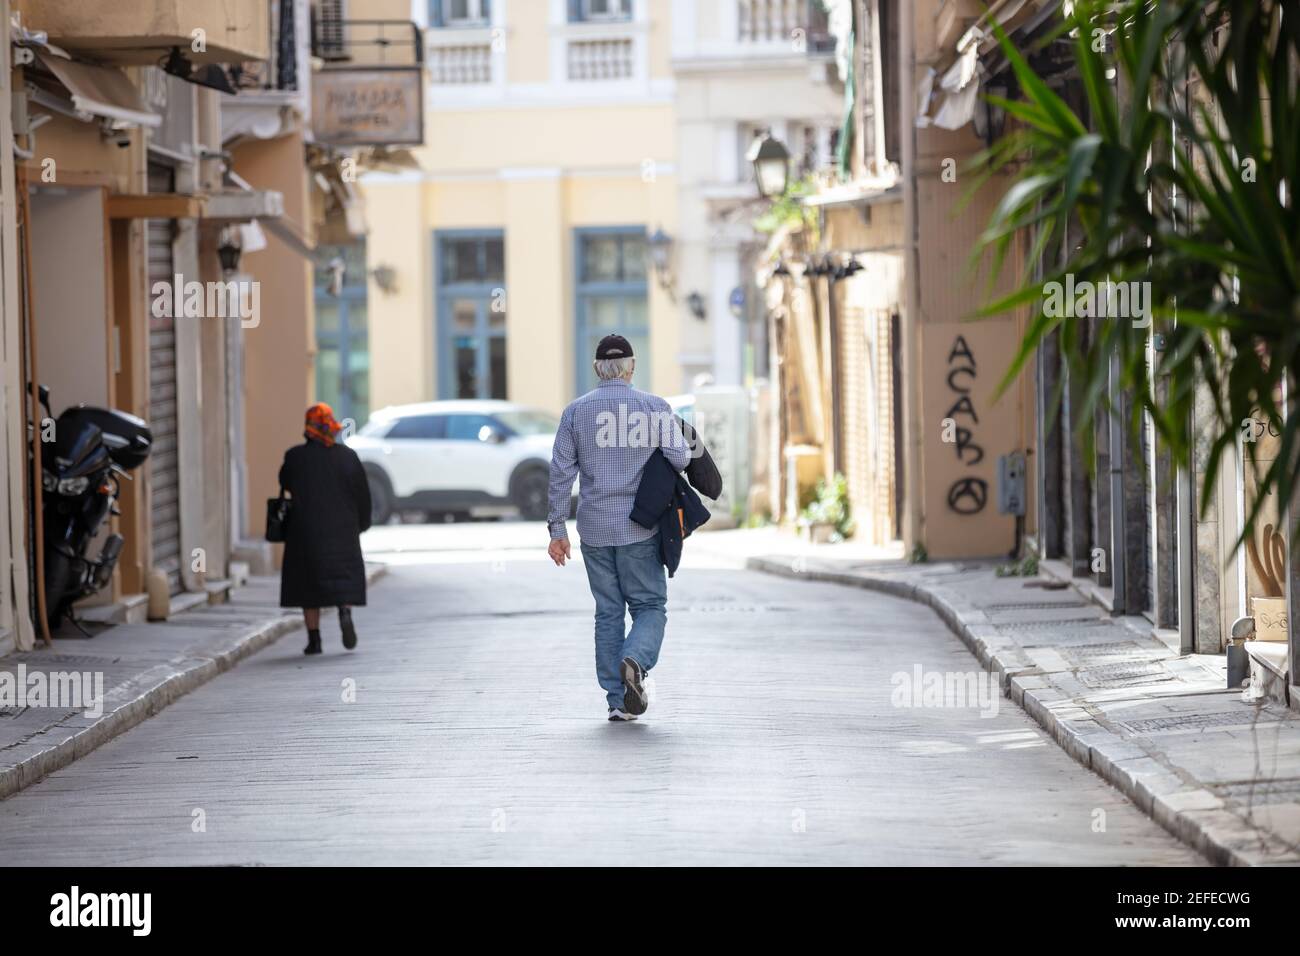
(128, 609)
(219, 591)
(1268, 669)
(186, 600)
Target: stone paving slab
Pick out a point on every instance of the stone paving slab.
(141, 668)
(1220, 773)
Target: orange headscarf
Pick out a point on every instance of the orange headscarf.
(321, 425)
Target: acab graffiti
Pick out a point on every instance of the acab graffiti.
(968, 494)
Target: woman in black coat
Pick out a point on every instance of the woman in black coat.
(330, 498)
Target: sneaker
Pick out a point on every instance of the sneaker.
(617, 715)
(635, 698)
(349, 632)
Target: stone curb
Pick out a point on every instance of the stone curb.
(146, 694)
(1191, 813)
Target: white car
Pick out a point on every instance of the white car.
(457, 457)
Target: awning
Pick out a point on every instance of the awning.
(244, 205)
(975, 59)
(252, 209)
(291, 236)
(156, 206)
(859, 193)
(958, 106)
(342, 196)
(959, 86)
(100, 91)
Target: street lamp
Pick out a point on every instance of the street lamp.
(695, 303)
(661, 258)
(661, 250)
(228, 251)
(771, 162)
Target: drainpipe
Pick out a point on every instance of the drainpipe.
(913, 520)
(1185, 504)
(837, 385)
(1118, 505)
(1290, 518)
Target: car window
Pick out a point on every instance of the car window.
(419, 426)
(529, 421)
(468, 427)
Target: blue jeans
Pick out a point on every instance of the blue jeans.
(626, 577)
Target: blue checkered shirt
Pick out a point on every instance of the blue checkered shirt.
(599, 440)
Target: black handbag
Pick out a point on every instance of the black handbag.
(277, 517)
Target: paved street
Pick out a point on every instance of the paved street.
(477, 735)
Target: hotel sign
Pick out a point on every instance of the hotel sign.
(368, 107)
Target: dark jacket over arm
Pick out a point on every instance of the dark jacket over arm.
(664, 500)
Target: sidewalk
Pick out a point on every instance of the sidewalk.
(1221, 774)
(144, 668)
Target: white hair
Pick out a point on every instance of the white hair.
(609, 369)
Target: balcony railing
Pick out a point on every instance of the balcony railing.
(280, 70)
(460, 64)
(800, 23)
(366, 43)
(600, 59)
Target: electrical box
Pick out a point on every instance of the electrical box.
(1011, 484)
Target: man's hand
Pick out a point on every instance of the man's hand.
(559, 551)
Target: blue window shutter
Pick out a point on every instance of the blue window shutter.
(575, 11)
(435, 13)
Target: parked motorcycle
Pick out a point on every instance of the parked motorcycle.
(89, 450)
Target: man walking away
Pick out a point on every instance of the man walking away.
(606, 437)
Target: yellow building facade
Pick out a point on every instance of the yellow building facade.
(521, 238)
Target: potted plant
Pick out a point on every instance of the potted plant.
(827, 517)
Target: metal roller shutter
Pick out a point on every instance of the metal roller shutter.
(164, 471)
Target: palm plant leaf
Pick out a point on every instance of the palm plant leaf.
(1182, 174)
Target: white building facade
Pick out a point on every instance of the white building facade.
(741, 66)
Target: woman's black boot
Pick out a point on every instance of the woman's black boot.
(313, 642)
(349, 632)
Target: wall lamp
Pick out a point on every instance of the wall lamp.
(695, 302)
(228, 251)
(771, 162)
(385, 277)
(661, 258)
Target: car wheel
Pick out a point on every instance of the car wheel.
(532, 491)
(381, 500)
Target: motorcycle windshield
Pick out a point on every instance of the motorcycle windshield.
(80, 450)
(127, 438)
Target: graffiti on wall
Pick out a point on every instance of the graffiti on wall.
(968, 494)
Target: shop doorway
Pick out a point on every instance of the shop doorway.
(342, 331)
(470, 267)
